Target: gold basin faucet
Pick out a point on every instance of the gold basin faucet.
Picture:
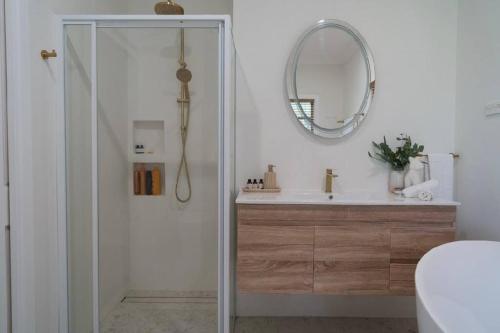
(329, 180)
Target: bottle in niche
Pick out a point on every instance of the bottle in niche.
(156, 181)
(142, 181)
(137, 182)
(255, 185)
(261, 184)
(249, 184)
(149, 182)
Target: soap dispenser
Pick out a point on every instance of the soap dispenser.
(270, 178)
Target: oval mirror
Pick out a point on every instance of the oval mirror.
(330, 79)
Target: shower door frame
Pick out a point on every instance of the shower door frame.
(223, 24)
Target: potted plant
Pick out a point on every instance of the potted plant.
(397, 158)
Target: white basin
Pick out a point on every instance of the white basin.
(458, 288)
(322, 198)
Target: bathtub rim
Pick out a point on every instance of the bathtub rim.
(419, 275)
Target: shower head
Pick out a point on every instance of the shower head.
(184, 75)
(168, 7)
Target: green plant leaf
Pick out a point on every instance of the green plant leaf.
(399, 157)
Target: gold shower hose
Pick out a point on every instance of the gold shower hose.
(184, 76)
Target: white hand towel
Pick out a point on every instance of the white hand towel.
(413, 191)
(427, 171)
(442, 169)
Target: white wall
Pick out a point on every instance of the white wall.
(477, 137)
(414, 49)
(413, 43)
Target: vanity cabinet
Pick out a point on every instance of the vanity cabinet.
(336, 249)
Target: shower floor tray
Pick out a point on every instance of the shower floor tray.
(161, 318)
(163, 311)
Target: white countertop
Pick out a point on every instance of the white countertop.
(289, 197)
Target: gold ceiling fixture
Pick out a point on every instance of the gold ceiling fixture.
(168, 7)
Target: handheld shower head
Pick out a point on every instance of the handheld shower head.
(168, 7)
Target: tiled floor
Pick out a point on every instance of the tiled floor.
(200, 317)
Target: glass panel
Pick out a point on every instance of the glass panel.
(158, 256)
(78, 175)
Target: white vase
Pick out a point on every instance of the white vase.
(396, 180)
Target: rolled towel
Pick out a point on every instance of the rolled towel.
(413, 191)
(425, 195)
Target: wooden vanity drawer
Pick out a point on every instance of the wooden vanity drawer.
(403, 214)
(351, 260)
(275, 259)
(408, 245)
(351, 277)
(403, 279)
(303, 214)
(272, 276)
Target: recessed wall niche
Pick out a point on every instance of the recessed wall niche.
(150, 134)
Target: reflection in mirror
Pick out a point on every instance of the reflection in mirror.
(304, 111)
(330, 78)
(331, 66)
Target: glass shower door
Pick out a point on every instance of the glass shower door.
(144, 176)
(79, 197)
(158, 255)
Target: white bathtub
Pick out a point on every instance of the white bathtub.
(458, 288)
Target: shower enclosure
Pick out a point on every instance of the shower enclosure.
(133, 258)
